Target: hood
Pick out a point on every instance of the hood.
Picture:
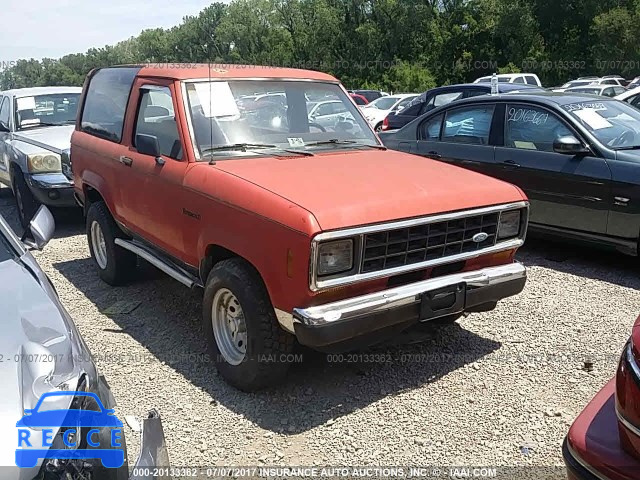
(37, 345)
(56, 138)
(358, 187)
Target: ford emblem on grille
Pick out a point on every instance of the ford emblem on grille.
(480, 237)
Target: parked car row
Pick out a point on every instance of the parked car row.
(576, 157)
(360, 236)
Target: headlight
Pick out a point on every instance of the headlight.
(335, 257)
(509, 224)
(44, 163)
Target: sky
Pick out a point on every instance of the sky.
(53, 28)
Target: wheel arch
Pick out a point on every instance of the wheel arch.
(214, 254)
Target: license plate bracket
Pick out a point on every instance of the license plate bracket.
(444, 301)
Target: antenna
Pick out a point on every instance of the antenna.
(210, 102)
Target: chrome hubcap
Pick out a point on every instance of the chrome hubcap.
(229, 326)
(99, 246)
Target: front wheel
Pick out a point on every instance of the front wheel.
(378, 128)
(248, 346)
(115, 264)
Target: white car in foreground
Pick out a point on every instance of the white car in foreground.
(376, 111)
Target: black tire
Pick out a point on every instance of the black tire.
(378, 128)
(26, 203)
(269, 348)
(120, 263)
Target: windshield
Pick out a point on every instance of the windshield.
(576, 84)
(614, 123)
(46, 110)
(384, 103)
(273, 114)
(595, 91)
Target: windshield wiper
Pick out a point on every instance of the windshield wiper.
(245, 147)
(41, 124)
(239, 147)
(630, 147)
(335, 141)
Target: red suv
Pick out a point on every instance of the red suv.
(297, 228)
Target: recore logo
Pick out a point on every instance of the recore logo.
(48, 432)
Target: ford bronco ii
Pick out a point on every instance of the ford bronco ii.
(297, 227)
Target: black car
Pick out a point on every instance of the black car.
(437, 97)
(576, 156)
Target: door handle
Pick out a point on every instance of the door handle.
(126, 161)
(511, 163)
(434, 154)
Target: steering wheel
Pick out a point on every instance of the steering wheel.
(625, 138)
(318, 126)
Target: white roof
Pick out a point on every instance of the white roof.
(35, 91)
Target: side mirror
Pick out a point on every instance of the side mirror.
(40, 229)
(148, 144)
(570, 145)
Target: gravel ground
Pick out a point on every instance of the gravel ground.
(497, 389)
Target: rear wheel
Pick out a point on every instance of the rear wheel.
(115, 264)
(26, 203)
(248, 346)
(378, 127)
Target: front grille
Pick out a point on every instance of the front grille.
(407, 246)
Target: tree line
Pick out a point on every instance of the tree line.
(395, 45)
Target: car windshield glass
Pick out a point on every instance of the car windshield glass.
(614, 123)
(384, 103)
(595, 91)
(282, 114)
(576, 84)
(46, 110)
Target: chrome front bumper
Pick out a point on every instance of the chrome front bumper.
(381, 309)
(405, 295)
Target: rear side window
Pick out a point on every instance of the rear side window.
(470, 125)
(106, 100)
(430, 130)
(531, 80)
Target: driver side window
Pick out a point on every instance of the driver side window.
(531, 128)
(157, 118)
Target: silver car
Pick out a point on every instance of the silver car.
(43, 354)
(35, 135)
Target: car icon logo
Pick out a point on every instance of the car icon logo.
(84, 433)
(480, 237)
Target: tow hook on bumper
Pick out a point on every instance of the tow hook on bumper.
(337, 321)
